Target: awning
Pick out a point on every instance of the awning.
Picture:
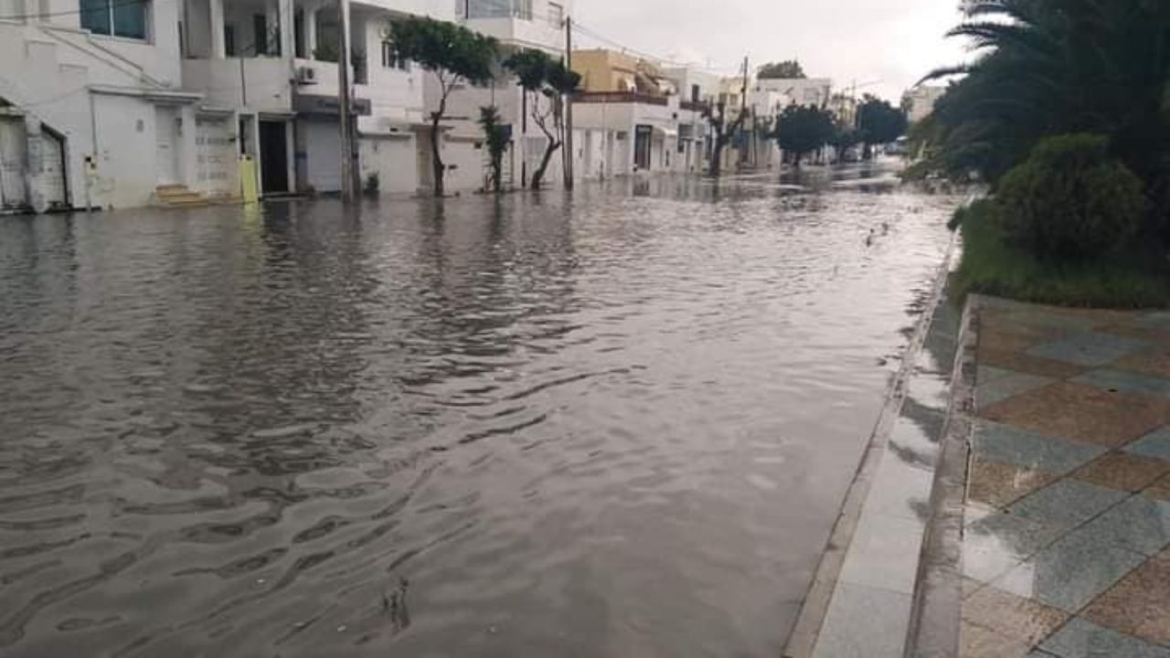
(664, 132)
(327, 105)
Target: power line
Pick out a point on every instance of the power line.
(103, 8)
(585, 31)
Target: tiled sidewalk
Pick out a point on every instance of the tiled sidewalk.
(1066, 546)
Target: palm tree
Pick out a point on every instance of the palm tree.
(1057, 66)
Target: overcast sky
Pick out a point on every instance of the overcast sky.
(890, 42)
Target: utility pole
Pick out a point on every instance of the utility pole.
(743, 110)
(569, 152)
(345, 107)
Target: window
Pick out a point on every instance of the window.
(496, 9)
(259, 34)
(391, 60)
(299, 34)
(696, 94)
(556, 14)
(115, 17)
(229, 40)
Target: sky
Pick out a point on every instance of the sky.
(885, 46)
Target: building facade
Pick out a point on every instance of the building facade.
(919, 102)
(113, 104)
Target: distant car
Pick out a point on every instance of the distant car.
(900, 147)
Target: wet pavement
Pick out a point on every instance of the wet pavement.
(617, 425)
(1066, 549)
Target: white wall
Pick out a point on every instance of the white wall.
(810, 91)
(393, 159)
(126, 172)
(266, 79)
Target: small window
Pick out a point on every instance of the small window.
(391, 60)
(556, 14)
(115, 18)
(696, 94)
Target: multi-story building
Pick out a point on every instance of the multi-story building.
(802, 91)
(92, 108)
(111, 103)
(919, 101)
(633, 118)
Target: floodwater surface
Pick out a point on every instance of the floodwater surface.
(616, 426)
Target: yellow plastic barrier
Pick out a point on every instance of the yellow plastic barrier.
(248, 180)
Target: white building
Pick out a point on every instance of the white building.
(622, 133)
(919, 101)
(802, 91)
(117, 104)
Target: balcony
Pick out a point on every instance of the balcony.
(260, 84)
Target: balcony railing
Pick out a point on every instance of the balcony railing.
(619, 97)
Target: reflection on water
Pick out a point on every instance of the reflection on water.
(619, 425)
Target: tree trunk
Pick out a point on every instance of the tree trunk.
(538, 175)
(717, 158)
(437, 167)
(867, 152)
(796, 159)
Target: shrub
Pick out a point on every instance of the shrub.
(1070, 199)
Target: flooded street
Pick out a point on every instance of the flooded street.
(620, 426)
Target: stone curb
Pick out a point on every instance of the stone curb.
(935, 612)
(802, 641)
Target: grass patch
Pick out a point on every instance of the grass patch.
(1137, 278)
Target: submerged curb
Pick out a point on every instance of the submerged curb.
(803, 640)
(935, 615)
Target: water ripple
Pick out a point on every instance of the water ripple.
(619, 424)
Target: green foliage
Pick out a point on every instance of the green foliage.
(537, 71)
(879, 122)
(1058, 66)
(1134, 278)
(844, 138)
(452, 53)
(372, 185)
(444, 48)
(804, 129)
(1070, 199)
(325, 52)
(496, 141)
(786, 70)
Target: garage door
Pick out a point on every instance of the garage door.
(215, 153)
(323, 155)
(12, 156)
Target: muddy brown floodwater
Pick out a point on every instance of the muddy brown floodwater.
(617, 426)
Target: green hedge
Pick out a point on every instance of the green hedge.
(1070, 200)
(993, 264)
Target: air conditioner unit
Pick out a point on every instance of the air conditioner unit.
(306, 75)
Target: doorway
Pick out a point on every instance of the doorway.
(273, 157)
(642, 138)
(166, 126)
(12, 156)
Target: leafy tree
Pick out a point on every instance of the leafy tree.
(804, 129)
(844, 138)
(496, 140)
(454, 55)
(724, 132)
(787, 70)
(542, 76)
(879, 123)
